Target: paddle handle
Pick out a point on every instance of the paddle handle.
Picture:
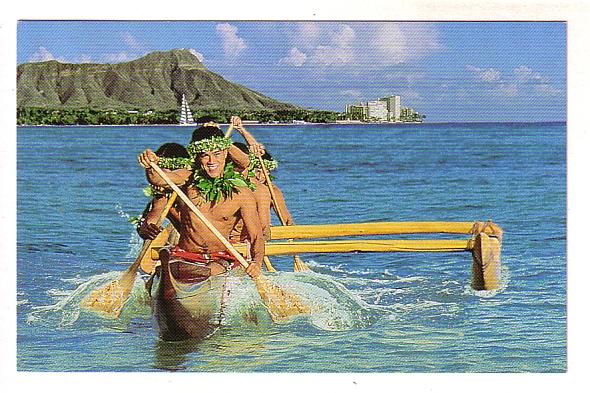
(201, 216)
(229, 131)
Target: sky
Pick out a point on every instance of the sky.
(448, 71)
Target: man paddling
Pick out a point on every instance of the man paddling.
(262, 193)
(172, 156)
(220, 194)
(256, 175)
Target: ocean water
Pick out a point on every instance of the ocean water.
(385, 312)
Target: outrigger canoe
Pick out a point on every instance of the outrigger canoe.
(187, 306)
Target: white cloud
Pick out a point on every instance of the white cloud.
(396, 43)
(308, 34)
(295, 58)
(364, 45)
(522, 80)
(344, 36)
(232, 44)
(352, 93)
(132, 42)
(118, 57)
(42, 54)
(549, 90)
(84, 59)
(199, 55)
(526, 74)
(507, 90)
(486, 75)
(332, 55)
(339, 49)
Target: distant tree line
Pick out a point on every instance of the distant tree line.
(90, 116)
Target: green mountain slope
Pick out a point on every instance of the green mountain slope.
(155, 81)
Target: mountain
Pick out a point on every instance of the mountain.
(156, 81)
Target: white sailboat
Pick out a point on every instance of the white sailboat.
(186, 117)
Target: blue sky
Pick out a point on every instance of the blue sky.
(451, 71)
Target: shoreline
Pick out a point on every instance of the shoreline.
(293, 124)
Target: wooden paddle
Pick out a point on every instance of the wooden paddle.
(229, 130)
(298, 264)
(111, 298)
(280, 303)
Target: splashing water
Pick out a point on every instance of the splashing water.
(67, 311)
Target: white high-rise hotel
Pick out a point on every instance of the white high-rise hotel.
(394, 108)
(384, 109)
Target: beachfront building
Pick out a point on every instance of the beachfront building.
(393, 107)
(368, 111)
(356, 112)
(384, 109)
(377, 111)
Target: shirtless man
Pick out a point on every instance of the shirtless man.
(262, 192)
(220, 200)
(171, 156)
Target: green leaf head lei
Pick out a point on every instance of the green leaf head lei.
(215, 143)
(214, 189)
(170, 163)
(173, 163)
(270, 165)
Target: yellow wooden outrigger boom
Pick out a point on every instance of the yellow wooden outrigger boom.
(343, 246)
(374, 228)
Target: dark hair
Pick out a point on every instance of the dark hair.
(206, 119)
(243, 147)
(172, 150)
(206, 132)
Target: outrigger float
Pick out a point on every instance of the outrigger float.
(189, 307)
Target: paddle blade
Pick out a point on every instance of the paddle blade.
(110, 299)
(280, 303)
(299, 265)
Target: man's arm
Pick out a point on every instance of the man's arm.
(263, 203)
(240, 158)
(282, 206)
(253, 145)
(249, 215)
(178, 176)
(148, 228)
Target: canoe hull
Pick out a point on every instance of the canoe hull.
(184, 309)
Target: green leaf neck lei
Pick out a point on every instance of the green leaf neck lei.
(152, 191)
(214, 189)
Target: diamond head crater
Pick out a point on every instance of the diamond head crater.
(151, 90)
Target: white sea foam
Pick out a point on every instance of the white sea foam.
(504, 280)
(67, 310)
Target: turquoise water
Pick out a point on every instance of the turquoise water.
(392, 312)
